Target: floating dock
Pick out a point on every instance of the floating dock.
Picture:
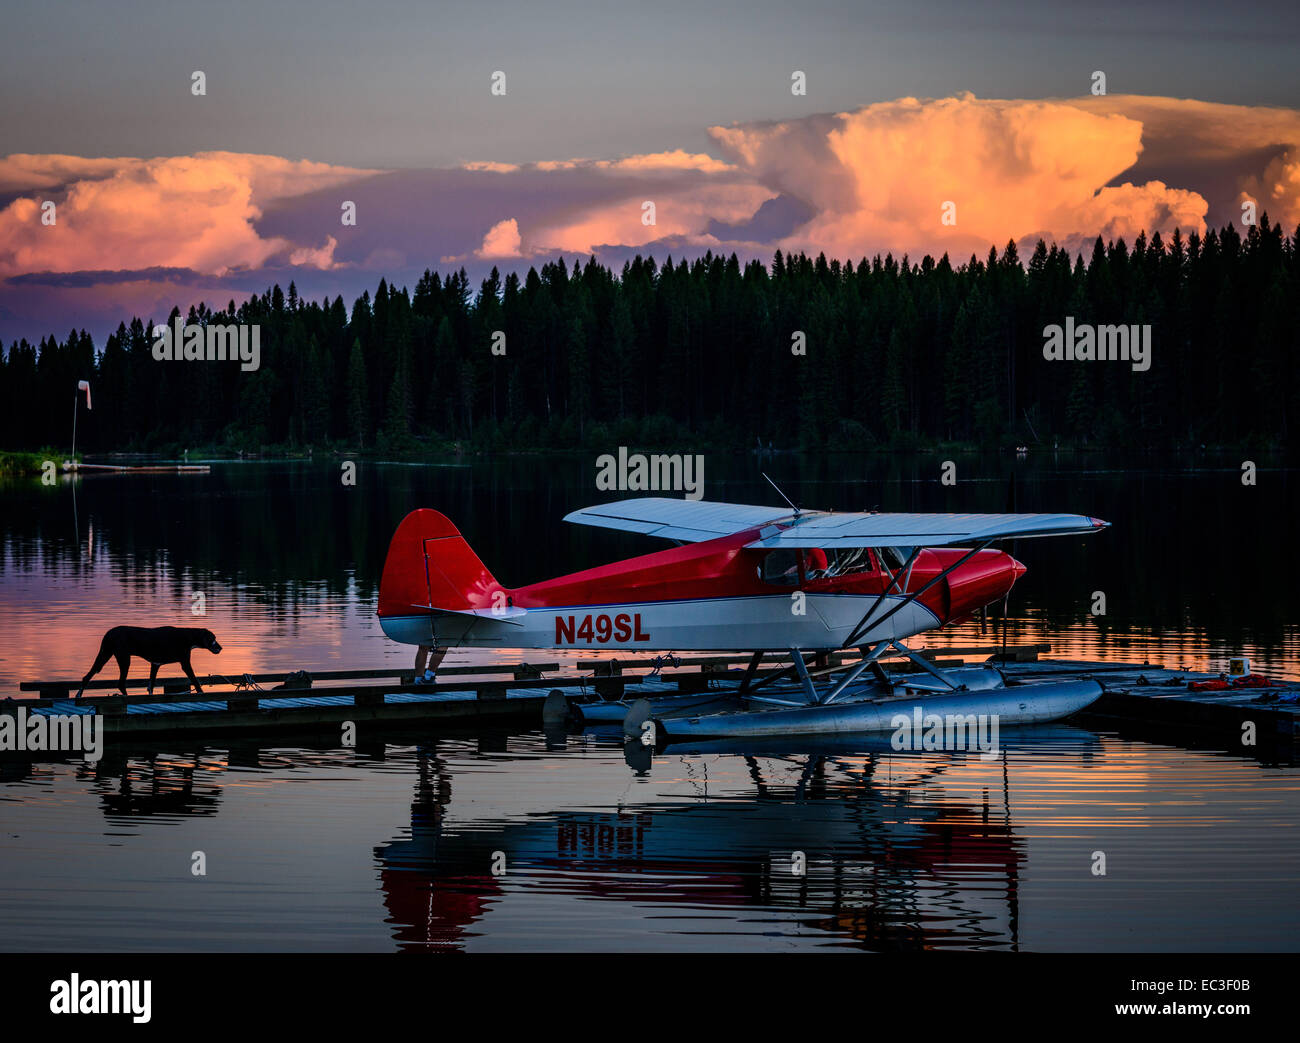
(1140, 695)
(76, 467)
(252, 702)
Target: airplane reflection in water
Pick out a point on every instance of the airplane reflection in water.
(903, 850)
(891, 863)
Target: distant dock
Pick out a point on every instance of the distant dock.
(73, 466)
(1139, 695)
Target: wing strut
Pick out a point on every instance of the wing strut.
(906, 573)
(869, 659)
(778, 674)
(860, 630)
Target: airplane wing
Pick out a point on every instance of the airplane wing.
(920, 530)
(690, 521)
(694, 521)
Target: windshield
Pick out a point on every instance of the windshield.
(894, 557)
(843, 562)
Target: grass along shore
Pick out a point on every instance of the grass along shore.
(31, 463)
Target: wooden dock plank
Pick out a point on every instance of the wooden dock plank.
(288, 718)
(212, 680)
(244, 697)
(835, 658)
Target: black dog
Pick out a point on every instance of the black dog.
(158, 645)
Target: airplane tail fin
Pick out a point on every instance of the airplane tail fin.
(430, 566)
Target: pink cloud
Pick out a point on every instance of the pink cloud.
(195, 212)
(1218, 147)
(585, 204)
(681, 208)
(217, 225)
(502, 240)
(884, 177)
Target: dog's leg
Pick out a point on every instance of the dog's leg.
(153, 674)
(123, 665)
(189, 672)
(104, 656)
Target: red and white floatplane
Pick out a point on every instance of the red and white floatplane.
(798, 583)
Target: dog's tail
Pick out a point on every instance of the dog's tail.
(430, 569)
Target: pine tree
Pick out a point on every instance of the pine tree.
(315, 395)
(358, 395)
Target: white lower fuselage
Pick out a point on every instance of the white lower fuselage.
(755, 623)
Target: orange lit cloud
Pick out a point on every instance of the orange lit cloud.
(502, 240)
(676, 159)
(879, 178)
(194, 212)
(1182, 135)
(681, 209)
(135, 233)
(689, 191)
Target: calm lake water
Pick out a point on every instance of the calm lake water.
(392, 845)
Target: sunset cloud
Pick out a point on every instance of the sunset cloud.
(1226, 152)
(195, 212)
(883, 177)
(680, 210)
(502, 240)
(850, 184)
(589, 204)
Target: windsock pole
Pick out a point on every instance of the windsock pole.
(82, 385)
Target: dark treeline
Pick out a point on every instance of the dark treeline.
(897, 354)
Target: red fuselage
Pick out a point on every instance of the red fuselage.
(717, 594)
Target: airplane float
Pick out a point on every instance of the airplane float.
(740, 578)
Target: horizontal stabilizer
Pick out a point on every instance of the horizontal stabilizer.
(503, 615)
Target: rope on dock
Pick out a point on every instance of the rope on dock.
(244, 684)
(660, 661)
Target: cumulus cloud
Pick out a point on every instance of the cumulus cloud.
(882, 177)
(502, 240)
(677, 159)
(584, 206)
(1225, 152)
(196, 212)
(680, 210)
(319, 257)
(674, 159)
(851, 184)
(690, 192)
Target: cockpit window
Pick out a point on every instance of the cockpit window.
(843, 562)
(895, 557)
(781, 567)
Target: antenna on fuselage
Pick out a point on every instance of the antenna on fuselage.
(781, 494)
